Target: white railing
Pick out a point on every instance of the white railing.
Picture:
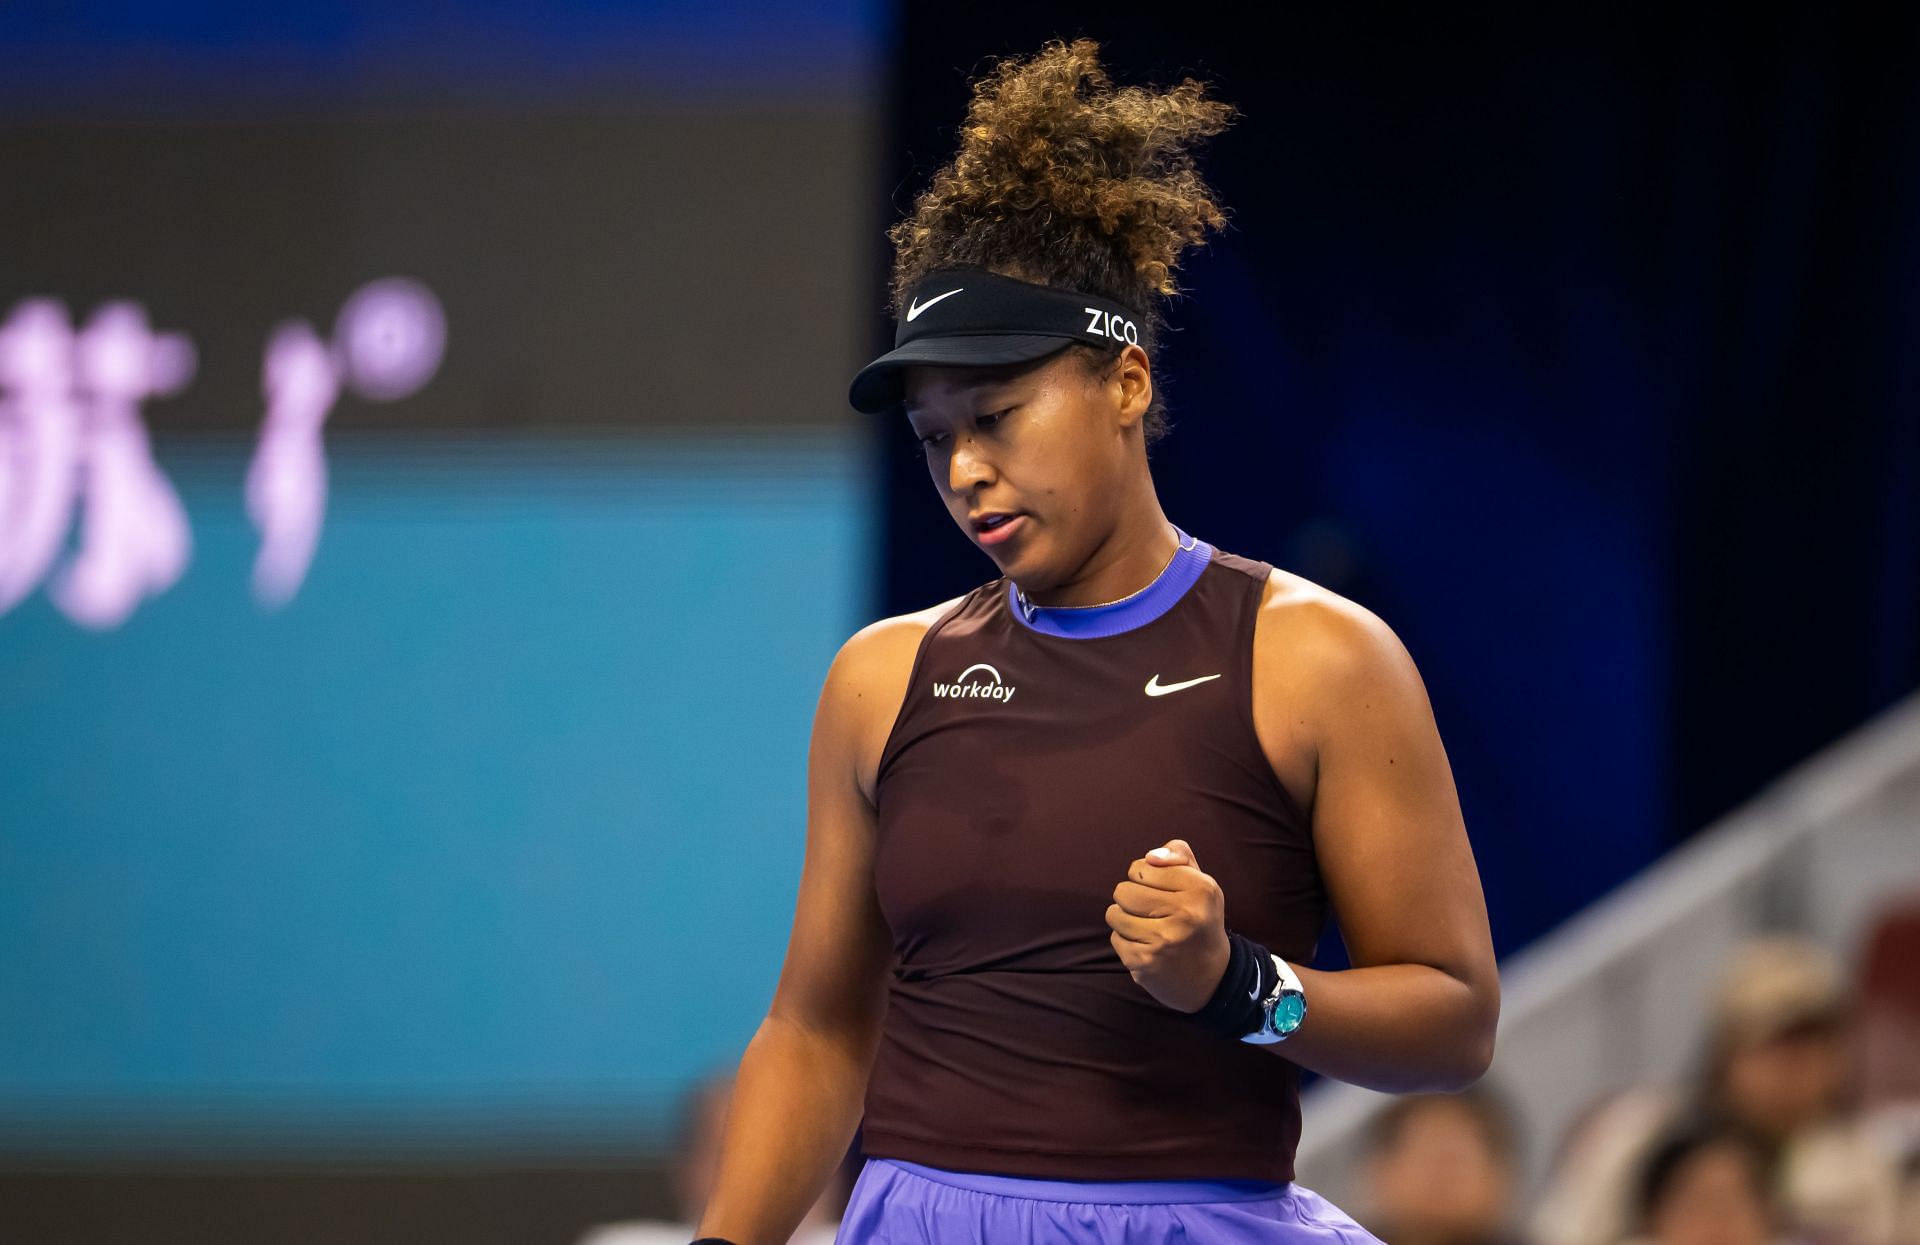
(1618, 994)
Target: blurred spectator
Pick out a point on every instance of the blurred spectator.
(1441, 1169)
(703, 1115)
(1777, 1068)
(1890, 1046)
(1890, 1007)
(1704, 1184)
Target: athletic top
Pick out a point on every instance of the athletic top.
(1037, 753)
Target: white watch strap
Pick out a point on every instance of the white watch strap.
(1289, 980)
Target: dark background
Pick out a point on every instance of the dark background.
(587, 252)
(1580, 348)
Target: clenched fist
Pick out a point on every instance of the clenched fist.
(1170, 927)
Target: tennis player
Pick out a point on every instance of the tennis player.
(1072, 836)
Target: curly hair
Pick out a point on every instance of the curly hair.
(1065, 180)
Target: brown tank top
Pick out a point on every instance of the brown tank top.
(1024, 773)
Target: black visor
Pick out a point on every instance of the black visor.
(969, 316)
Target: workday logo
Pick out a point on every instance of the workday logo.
(978, 688)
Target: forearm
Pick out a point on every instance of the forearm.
(796, 1102)
(1397, 1028)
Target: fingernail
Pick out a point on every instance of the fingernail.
(1160, 852)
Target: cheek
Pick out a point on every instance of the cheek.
(1057, 479)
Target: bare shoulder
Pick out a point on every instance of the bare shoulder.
(1316, 655)
(1309, 630)
(869, 681)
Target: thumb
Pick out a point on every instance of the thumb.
(1176, 852)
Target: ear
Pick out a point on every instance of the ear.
(1134, 377)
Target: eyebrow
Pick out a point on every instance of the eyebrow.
(969, 389)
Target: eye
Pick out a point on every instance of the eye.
(985, 421)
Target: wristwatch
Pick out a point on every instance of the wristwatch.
(1283, 1008)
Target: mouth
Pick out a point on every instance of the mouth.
(998, 527)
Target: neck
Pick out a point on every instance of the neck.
(1129, 560)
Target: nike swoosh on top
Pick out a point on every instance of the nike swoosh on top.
(913, 312)
(1156, 688)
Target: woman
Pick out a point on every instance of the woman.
(1213, 751)
(1705, 1183)
(1774, 1065)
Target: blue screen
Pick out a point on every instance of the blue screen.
(499, 819)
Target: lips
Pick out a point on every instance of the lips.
(992, 529)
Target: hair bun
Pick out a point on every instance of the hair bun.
(1052, 153)
(1063, 179)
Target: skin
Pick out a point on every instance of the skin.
(699, 1157)
(1440, 1179)
(1716, 1198)
(1785, 1083)
(1339, 710)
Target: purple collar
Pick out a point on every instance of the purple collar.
(1091, 622)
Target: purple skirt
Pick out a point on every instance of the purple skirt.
(900, 1203)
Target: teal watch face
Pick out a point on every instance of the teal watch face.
(1288, 1012)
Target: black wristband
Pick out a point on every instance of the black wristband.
(1238, 1005)
(712, 1240)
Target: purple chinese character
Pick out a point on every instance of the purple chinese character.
(387, 342)
(71, 432)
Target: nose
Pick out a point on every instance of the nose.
(966, 466)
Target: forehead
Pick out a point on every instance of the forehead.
(925, 385)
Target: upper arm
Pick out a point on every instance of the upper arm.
(1387, 828)
(839, 953)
